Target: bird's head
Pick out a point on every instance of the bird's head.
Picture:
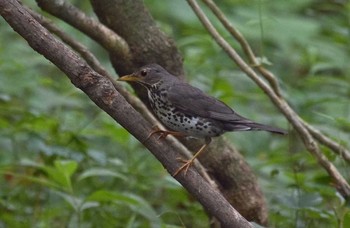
(147, 75)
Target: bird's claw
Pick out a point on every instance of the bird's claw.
(184, 167)
(180, 159)
(162, 133)
(157, 130)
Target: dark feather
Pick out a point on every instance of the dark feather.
(200, 104)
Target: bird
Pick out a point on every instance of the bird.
(187, 111)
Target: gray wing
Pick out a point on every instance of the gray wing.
(193, 101)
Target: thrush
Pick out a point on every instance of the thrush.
(188, 111)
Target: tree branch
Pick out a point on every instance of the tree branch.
(97, 31)
(328, 142)
(102, 93)
(245, 46)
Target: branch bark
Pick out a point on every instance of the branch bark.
(101, 91)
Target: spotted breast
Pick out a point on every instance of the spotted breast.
(177, 120)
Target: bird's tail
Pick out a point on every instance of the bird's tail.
(252, 126)
(263, 127)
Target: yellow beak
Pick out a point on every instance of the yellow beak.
(130, 78)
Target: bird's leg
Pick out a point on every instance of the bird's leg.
(163, 133)
(188, 163)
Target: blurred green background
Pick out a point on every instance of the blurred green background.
(65, 163)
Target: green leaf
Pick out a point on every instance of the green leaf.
(109, 196)
(38, 180)
(74, 202)
(136, 203)
(30, 163)
(77, 203)
(61, 173)
(96, 172)
(67, 167)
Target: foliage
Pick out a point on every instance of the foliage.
(63, 162)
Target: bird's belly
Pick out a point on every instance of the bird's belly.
(176, 120)
(192, 126)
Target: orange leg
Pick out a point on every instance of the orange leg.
(188, 163)
(163, 134)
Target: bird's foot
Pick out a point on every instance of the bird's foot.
(188, 163)
(184, 167)
(163, 133)
(155, 130)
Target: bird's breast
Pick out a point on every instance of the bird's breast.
(177, 120)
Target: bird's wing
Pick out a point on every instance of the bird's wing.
(193, 101)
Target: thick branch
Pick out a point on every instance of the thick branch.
(148, 44)
(101, 91)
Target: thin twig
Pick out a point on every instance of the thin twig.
(328, 142)
(309, 142)
(245, 46)
(94, 29)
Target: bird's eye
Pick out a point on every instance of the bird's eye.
(143, 73)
